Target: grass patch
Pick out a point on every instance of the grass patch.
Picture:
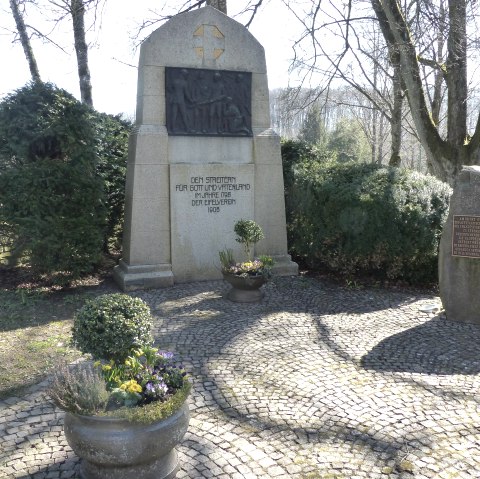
(27, 355)
(35, 332)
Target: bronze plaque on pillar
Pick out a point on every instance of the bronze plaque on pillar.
(202, 102)
(466, 236)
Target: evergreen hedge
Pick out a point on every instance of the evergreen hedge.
(111, 145)
(358, 217)
(62, 174)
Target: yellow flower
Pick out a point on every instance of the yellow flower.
(131, 386)
(107, 367)
(96, 364)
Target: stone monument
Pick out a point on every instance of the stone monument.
(202, 154)
(459, 257)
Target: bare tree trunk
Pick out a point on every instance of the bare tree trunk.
(396, 121)
(381, 136)
(77, 10)
(457, 73)
(375, 112)
(447, 158)
(438, 74)
(25, 41)
(374, 136)
(219, 5)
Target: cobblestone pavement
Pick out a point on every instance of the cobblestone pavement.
(314, 382)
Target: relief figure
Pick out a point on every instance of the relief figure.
(180, 98)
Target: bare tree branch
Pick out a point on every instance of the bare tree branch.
(25, 40)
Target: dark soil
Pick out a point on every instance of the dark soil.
(23, 277)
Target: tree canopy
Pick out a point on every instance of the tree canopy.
(427, 44)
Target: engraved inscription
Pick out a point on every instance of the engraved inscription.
(204, 102)
(213, 192)
(466, 236)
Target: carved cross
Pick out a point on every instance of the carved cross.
(209, 42)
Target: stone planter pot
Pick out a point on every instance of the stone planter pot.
(113, 448)
(245, 289)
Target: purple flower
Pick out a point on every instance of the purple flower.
(150, 388)
(165, 354)
(158, 389)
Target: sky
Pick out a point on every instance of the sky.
(113, 57)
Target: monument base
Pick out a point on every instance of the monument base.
(284, 266)
(458, 283)
(131, 278)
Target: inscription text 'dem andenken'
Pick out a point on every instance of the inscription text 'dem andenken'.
(212, 192)
(466, 236)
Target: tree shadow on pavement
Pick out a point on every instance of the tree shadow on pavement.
(437, 347)
(68, 468)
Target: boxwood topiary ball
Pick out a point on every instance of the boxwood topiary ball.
(110, 326)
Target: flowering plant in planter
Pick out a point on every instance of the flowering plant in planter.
(246, 278)
(248, 233)
(126, 411)
(115, 330)
(146, 376)
(260, 266)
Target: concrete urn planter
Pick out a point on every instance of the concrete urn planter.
(245, 289)
(112, 448)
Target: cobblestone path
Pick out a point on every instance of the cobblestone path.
(314, 382)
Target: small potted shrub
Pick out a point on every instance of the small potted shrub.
(111, 326)
(126, 411)
(247, 277)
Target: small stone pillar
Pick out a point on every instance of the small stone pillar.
(459, 257)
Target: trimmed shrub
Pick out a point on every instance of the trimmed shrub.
(354, 217)
(295, 152)
(111, 135)
(248, 234)
(110, 326)
(50, 194)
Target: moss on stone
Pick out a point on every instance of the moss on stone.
(154, 411)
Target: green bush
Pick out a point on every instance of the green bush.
(50, 193)
(111, 326)
(297, 151)
(349, 142)
(111, 134)
(62, 180)
(354, 217)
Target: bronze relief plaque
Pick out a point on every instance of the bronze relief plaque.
(201, 102)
